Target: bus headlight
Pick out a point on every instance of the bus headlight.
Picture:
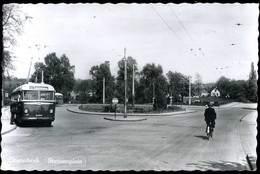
(26, 111)
(51, 111)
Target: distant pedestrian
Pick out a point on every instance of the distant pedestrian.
(210, 116)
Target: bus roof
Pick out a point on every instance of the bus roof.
(34, 86)
(58, 94)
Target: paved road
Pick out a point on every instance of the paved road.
(89, 142)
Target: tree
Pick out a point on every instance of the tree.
(83, 88)
(8, 85)
(238, 90)
(120, 80)
(13, 21)
(153, 86)
(161, 93)
(57, 72)
(178, 85)
(198, 84)
(98, 73)
(223, 85)
(252, 84)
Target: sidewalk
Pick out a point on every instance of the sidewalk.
(5, 121)
(75, 109)
(248, 136)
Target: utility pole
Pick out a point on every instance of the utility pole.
(104, 90)
(153, 93)
(42, 77)
(125, 113)
(133, 91)
(189, 90)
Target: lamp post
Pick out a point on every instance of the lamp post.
(133, 90)
(104, 90)
(125, 113)
(189, 90)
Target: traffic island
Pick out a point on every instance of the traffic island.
(75, 109)
(125, 119)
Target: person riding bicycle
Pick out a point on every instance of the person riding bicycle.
(210, 116)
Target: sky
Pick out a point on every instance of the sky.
(212, 40)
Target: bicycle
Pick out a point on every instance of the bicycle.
(209, 131)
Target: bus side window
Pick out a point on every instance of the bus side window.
(25, 95)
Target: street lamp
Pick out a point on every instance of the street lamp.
(125, 113)
(189, 90)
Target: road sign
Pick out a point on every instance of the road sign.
(115, 101)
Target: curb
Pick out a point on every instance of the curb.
(8, 131)
(129, 114)
(249, 160)
(241, 119)
(126, 119)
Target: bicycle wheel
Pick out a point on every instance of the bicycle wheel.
(208, 132)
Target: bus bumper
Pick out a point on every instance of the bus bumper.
(37, 118)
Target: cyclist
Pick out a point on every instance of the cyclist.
(210, 116)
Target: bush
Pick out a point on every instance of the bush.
(145, 108)
(110, 108)
(175, 108)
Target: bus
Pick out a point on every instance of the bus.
(33, 102)
(59, 98)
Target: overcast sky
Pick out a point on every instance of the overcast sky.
(210, 39)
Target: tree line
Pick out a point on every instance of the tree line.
(150, 84)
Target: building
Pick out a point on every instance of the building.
(215, 93)
(204, 94)
(73, 95)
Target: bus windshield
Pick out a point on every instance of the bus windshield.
(30, 95)
(38, 95)
(46, 95)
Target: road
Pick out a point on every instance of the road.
(160, 143)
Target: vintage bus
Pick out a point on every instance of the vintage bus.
(33, 101)
(59, 98)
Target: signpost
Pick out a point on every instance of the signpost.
(115, 101)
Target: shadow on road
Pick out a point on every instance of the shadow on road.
(222, 165)
(202, 137)
(250, 108)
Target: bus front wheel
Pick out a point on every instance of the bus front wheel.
(48, 123)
